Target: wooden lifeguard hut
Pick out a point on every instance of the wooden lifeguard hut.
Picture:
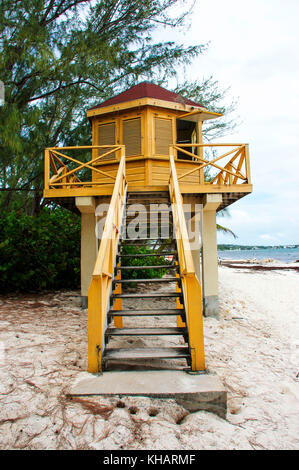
(147, 149)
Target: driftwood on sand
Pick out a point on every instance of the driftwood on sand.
(257, 267)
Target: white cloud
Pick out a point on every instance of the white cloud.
(267, 237)
(254, 50)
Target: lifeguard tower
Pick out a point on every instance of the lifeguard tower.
(147, 149)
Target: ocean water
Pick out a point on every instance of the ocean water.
(285, 255)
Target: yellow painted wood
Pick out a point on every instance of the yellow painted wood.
(152, 102)
(200, 115)
(149, 171)
(228, 169)
(107, 189)
(215, 188)
(81, 165)
(163, 136)
(247, 163)
(190, 283)
(95, 333)
(179, 305)
(46, 169)
(99, 291)
(132, 136)
(147, 136)
(199, 139)
(106, 136)
(192, 291)
(229, 166)
(118, 304)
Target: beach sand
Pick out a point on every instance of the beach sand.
(253, 348)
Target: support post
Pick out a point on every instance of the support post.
(200, 150)
(194, 226)
(209, 255)
(89, 247)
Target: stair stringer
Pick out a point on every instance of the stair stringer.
(191, 287)
(102, 278)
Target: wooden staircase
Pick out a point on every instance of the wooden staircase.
(162, 248)
(174, 316)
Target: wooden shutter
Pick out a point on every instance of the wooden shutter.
(163, 135)
(106, 136)
(132, 136)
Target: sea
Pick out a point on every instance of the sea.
(285, 255)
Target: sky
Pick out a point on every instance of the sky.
(253, 49)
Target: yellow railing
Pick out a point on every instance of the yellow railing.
(59, 175)
(235, 171)
(101, 284)
(190, 284)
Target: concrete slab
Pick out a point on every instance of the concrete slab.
(193, 392)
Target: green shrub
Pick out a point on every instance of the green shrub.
(142, 261)
(39, 252)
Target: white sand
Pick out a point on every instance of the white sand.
(253, 348)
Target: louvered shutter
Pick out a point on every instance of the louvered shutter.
(106, 136)
(132, 136)
(163, 135)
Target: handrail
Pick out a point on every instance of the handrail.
(190, 284)
(231, 173)
(64, 177)
(101, 284)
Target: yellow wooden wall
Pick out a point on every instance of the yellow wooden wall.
(148, 116)
(151, 168)
(145, 172)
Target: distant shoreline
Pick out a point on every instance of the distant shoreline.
(259, 265)
(282, 255)
(228, 247)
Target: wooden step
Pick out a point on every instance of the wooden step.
(146, 353)
(142, 295)
(147, 206)
(147, 193)
(150, 230)
(148, 197)
(149, 224)
(161, 266)
(166, 279)
(123, 243)
(153, 209)
(146, 214)
(154, 312)
(145, 239)
(170, 331)
(145, 255)
(147, 201)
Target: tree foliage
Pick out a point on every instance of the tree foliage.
(39, 252)
(143, 261)
(59, 57)
(209, 94)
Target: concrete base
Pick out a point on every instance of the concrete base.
(193, 392)
(84, 301)
(211, 306)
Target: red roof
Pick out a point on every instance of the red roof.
(147, 90)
